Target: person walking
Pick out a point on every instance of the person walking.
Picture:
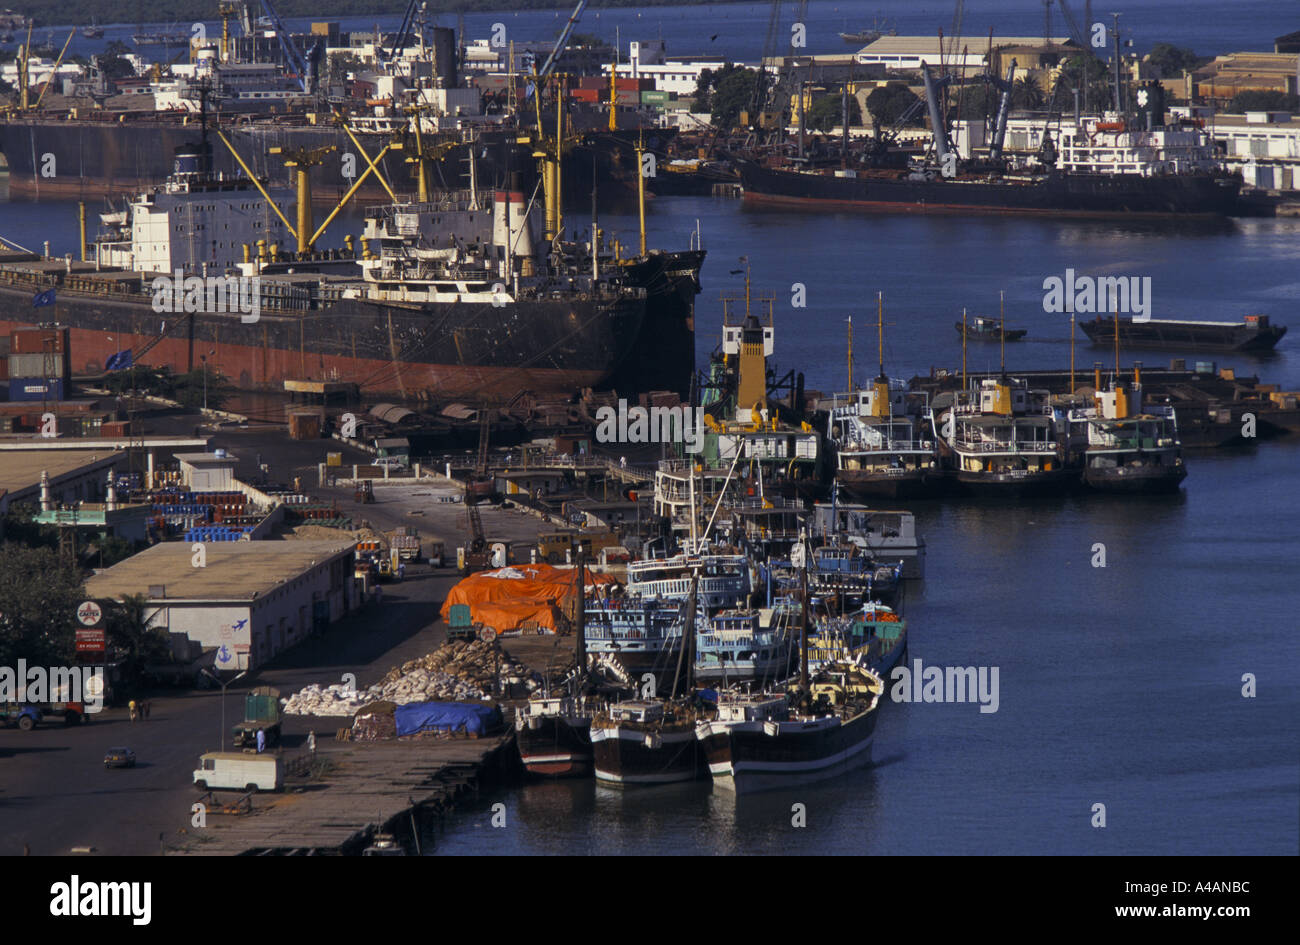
(311, 742)
(145, 706)
(131, 708)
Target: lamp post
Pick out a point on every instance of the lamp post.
(221, 745)
(204, 359)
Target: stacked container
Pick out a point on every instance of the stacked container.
(39, 363)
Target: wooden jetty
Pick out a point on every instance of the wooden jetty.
(366, 788)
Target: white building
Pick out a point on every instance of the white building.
(677, 76)
(248, 601)
(1264, 146)
(911, 52)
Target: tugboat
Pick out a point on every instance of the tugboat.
(989, 329)
(1001, 441)
(1131, 448)
(881, 451)
(821, 728)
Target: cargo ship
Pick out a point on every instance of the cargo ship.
(1098, 166)
(1053, 193)
(443, 309)
(1254, 333)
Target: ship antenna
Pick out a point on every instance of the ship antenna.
(1002, 326)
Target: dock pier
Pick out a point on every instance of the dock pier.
(364, 788)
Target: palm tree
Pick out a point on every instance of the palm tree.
(130, 633)
(1027, 94)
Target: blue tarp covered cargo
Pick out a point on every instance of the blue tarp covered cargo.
(469, 718)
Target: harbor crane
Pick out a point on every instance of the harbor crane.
(305, 67)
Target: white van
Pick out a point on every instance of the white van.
(239, 771)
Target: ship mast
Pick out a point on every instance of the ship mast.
(803, 614)
(581, 652)
(1002, 328)
(850, 387)
(963, 349)
(880, 331)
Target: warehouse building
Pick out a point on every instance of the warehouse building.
(70, 476)
(244, 601)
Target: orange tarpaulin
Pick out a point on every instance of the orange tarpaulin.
(528, 595)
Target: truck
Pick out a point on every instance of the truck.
(239, 771)
(554, 547)
(23, 714)
(407, 542)
(261, 712)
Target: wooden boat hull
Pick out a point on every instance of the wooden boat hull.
(746, 759)
(552, 747)
(623, 757)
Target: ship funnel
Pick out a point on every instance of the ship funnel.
(519, 242)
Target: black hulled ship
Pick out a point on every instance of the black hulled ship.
(1254, 333)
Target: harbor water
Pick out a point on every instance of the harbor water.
(1128, 685)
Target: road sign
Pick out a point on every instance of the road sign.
(90, 641)
(90, 614)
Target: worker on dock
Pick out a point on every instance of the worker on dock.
(131, 708)
(261, 740)
(311, 742)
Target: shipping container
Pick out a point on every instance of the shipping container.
(35, 388)
(304, 426)
(585, 95)
(115, 428)
(38, 340)
(38, 365)
(654, 97)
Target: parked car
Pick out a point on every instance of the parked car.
(119, 758)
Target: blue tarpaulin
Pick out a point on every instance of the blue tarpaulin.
(470, 718)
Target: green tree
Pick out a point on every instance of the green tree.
(39, 594)
(1264, 101)
(115, 67)
(131, 637)
(825, 112)
(888, 103)
(733, 93)
(1173, 61)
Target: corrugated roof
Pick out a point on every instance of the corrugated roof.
(21, 469)
(929, 45)
(234, 571)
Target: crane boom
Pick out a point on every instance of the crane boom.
(560, 43)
